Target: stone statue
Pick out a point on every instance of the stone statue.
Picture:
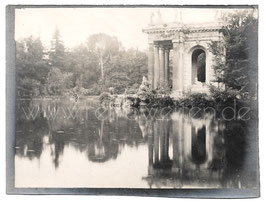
(159, 17)
(151, 18)
(144, 89)
(178, 15)
(145, 84)
(218, 15)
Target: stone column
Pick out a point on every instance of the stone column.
(166, 67)
(156, 66)
(178, 66)
(175, 67)
(181, 64)
(161, 73)
(151, 65)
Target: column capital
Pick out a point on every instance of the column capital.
(175, 44)
(161, 47)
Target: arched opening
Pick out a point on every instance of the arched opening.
(198, 66)
(198, 149)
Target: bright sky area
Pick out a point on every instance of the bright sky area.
(77, 24)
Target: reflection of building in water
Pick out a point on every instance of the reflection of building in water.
(185, 154)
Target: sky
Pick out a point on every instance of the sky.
(77, 24)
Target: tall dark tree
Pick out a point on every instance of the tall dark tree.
(31, 66)
(237, 57)
(57, 52)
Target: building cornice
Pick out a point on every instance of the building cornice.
(185, 28)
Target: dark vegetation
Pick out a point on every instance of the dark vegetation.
(99, 65)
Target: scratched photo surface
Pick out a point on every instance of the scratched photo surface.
(153, 98)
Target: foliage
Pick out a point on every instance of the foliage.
(104, 48)
(95, 89)
(126, 69)
(57, 52)
(58, 83)
(133, 89)
(153, 98)
(218, 98)
(31, 68)
(237, 57)
(223, 97)
(105, 98)
(200, 100)
(59, 71)
(165, 101)
(82, 64)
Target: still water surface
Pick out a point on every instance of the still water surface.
(61, 143)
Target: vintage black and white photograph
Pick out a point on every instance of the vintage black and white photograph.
(144, 97)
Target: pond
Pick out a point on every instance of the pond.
(64, 144)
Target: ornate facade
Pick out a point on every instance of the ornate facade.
(188, 43)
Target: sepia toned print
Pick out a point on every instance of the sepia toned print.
(143, 98)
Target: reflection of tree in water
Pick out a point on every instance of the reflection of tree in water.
(182, 151)
(58, 140)
(102, 140)
(236, 134)
(104, 147)
(29, 133)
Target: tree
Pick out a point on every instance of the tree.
(83, 64)
(58, 83)
(104, 47)
(31, 67)
(125, 69)
(57, 52)
(237, 57)
(88, 69)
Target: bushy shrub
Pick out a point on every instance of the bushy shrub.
(223, 97)
(165, 101)
(94, 90)
(196, 100)
(105, 98)
(133, 89)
